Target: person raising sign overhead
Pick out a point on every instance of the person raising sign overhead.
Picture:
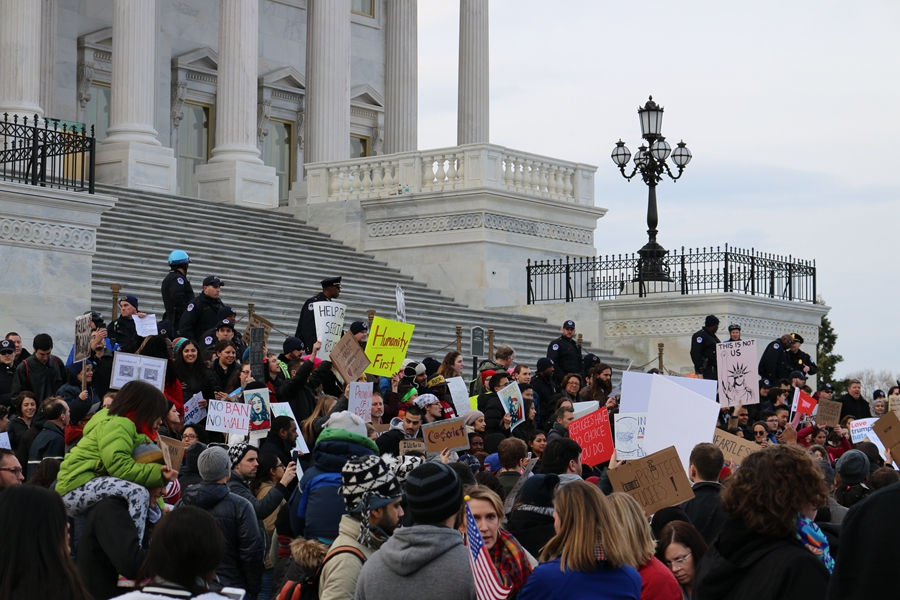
(306, 325)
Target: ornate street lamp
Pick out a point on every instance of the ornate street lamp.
(651, 163)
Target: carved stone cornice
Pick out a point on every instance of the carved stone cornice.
(47, 235)
(479, 221)
(666, 326)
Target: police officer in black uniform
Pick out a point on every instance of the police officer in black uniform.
(703, 348)
(176, 289)
(797, 359)
(306, 325)
(226, 313)
(202, 311)
(565, 353)
(774, 365)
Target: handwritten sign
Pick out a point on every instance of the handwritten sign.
(655, 481)
(361, 400)
(449, 434)
(329, 325)
(630, 429)
(829, 414)
(256, 321)
(4, 441)
(733, 447)
(192, 411)
(348, 358)
(736, 362)
(460, 395)
(593, 435)
(283, 409)
(513, 404)
(387, 345)
(82, 338)
(861, 428)
(414, 445)
(228, 417)
(173, 451)
(132, 367)
(145, 326)
(887, 428)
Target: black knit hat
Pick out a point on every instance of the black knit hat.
(434, 493)
(538, 490)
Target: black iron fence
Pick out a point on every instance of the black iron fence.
(706, 271)
(47, 153)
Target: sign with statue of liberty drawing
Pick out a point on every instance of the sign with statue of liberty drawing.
(736, 363)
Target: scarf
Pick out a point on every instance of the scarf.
(142, 427)
(809, 534)
(511, 562)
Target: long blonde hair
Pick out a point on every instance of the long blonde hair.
(323, 407)
(639, 545)
(585, 517)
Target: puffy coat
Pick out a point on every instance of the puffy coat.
(264, 507)
(549, 582)
(340, 573)
(242, 565)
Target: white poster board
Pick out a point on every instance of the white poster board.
(629, 431)
(584, 408)
(636, 390)
(401, 304)
(329, 325)
(283, 409)
(360, 400)
(460, 394)
(861, 430)
(228, 417)
(145, 326)
(736, 363)
(132, 367)
(4, 441)
(192, 411)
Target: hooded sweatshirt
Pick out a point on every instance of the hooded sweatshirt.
(415, 559)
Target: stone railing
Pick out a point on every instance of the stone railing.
(446, 169)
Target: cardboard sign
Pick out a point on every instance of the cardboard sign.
(257, 353)
(228, 417)
(4, 441)
(132, 367)
(192, 411)
(630, 429)
(861, 428)
(381, 427)
(348, 358)
(387, 345)
(401, 304)
(283, 409)
(887, 428)
(361, 400)
(460, 394)
(593, 435)
(82, 338)
(256, 321)
(260, 412)
(449, 434)
(736, 362)
(656, 481)
(829, 414)
(636, 389)
(145, 326)
(173, 451)
(513, 404)
(413, 445)
(329, 325)
(733, 447)
(894, 404)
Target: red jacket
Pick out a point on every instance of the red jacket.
(657, 582)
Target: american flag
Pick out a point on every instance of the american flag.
(487, 583)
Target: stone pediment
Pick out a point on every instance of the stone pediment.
(365, 95)
(202, 60)
(288, 79)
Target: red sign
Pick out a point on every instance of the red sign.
(594, 436)
(806, 403)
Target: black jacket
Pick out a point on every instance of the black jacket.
(531, 528)
(566, 356)
(42, 379)
(705, 510)
(275, 444)
(208, 342)
(264, 507)
(199, 380)
(389, 441)
(201, 313)
(544, 391)
(7, 373)
(797, 360)
(773, 365)
(306, 324)
(109, 547)
(223, 376)
(703, 353)
(299, 390)
(176, 293)
(748, 566)
(858, 408)
(244, 560)
(123, 332)
(17, 428)
(492, 408)
(49, 443)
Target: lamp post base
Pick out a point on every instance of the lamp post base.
(653, 265)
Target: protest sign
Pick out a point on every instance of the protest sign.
(460, 394)
(678, 417)
(736, 363)
(449, 434)
(256, 321)
(513, 404)
(361, 400)
(381, 427)
(593, 435)
(257, 353)
(583, 408)
(733, 447)
(228, 417)
(894, 404)
(413, 445)
(829, 414)
(348, 358)
(803, 403)
(131, 367)
(260, 412)
(82, 338)
(192, 411)
(630, 428)
(861, 429)
(387, 345)
(656, 481)
(145, 326)
(329, 325)
(173, 451)
(283, 409)
(887, 428)
(401, 304)
(4, 441)
(636, 389)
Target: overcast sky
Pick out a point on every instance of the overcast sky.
(789, 108)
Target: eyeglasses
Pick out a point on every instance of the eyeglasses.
(189, 437)
(678, 562)
(13, 470)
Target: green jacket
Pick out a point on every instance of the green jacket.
(342, 435)
(106, 449)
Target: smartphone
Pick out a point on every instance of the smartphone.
(528, 456)
(233, 593)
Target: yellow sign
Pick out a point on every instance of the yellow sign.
(387, 345)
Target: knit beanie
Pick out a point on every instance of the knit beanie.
(434, 493)
(368, 480)
(237, 452)
(539, 489)
(472, 416)
(470, 461)
(148, 453)
(404, 465)
(178, 343)
(853, 467)
(213, 464)
(348, 422)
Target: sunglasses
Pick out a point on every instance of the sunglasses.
(759, 433)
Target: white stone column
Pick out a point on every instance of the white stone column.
(235, 172)
(401, 82)
(131, 155)
(327, 81)
(473, 109)
(20, 58)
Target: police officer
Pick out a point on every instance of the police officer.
(565, 353)
(176, 289)
(306, 325)
(202, 311)
(734, 332)
(703, 348)
(224, 331)
(774, 365)
(797, 359)
(226, 313)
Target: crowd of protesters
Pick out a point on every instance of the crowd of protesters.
(89, 509)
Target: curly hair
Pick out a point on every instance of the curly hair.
(771, 487)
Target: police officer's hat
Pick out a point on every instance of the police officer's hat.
(765, 383)
(734, 327)
(331, 281)
(225, 313)
(225, 323)
(569, 325)
(7, 346)
(796, 337)
(212, 280)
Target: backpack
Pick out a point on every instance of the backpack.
(308, 589)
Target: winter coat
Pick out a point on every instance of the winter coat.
(544, 391)
(7, 374)
(340, 574)
(566, 356)
(264, 507)
(299, 391)
(418, 558)
(16, 428)
(109, 547)
(705, 509)
(275, 444)
(42, 379)
(242, 565)
(123, 332)
(268, 522)
(492, 407)
(201, 313)
(389, 441)
(198, 380)
(658, 582)
(556, 432)
(532, 526)
(741, 565)
(859, 408)
(106, 449)
(223, 375)
(49, 443)
(189, 474)
(70, 392)
(548, 582)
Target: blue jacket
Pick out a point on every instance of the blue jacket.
(547, 582)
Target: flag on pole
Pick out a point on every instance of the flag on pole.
(803, 404)
(487, 582)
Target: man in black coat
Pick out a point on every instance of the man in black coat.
(565, 353)
(7, 371)
(176, 290)
(202, 312)
(281, 439)
(545, 389)
(50, 442)
(853, 403)
(409, 428)
(773, 364)
(41, 373)
(703, 349)
(705, 508)
(306, 325)
(797, 359)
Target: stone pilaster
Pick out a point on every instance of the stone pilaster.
(20, 58)
(473, 111)
(401, 77)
